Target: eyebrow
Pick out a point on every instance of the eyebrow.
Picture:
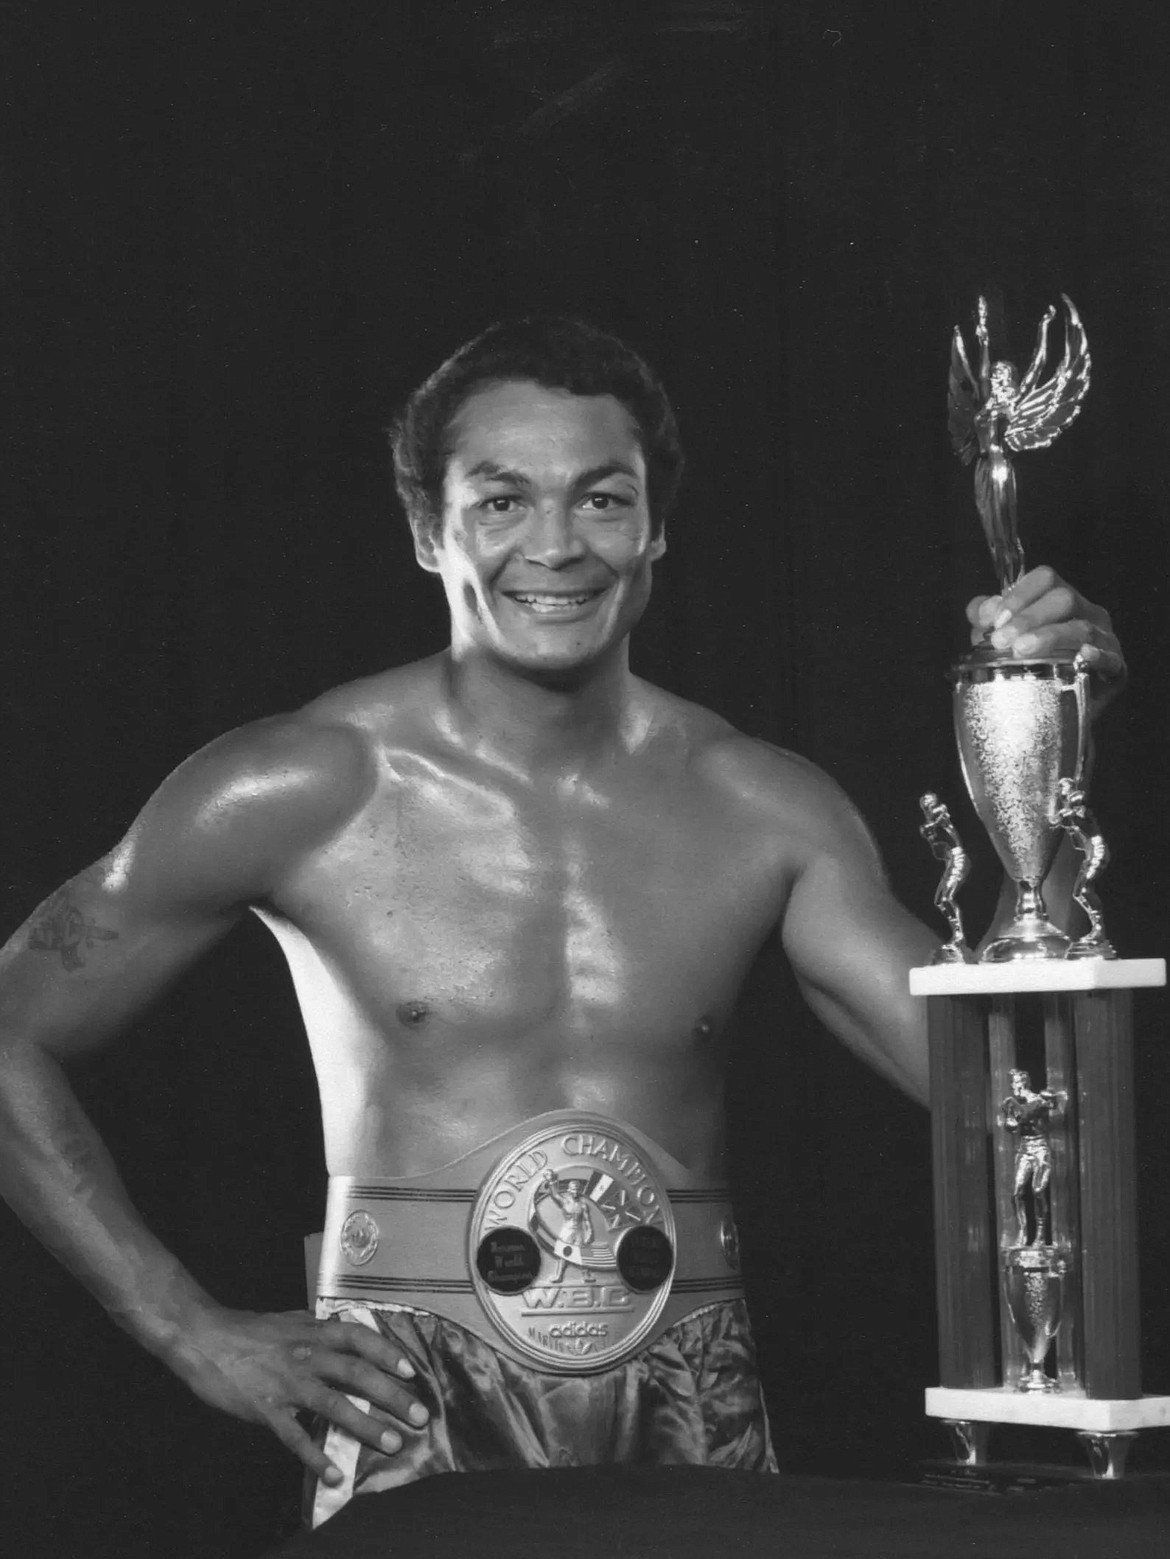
(610, 468)
(498, 473)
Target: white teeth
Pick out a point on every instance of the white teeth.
(552, 603)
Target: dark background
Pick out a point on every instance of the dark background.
(234, 239)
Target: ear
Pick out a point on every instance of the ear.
(658, 545)
(427, 531)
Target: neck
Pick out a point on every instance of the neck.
(537, 723)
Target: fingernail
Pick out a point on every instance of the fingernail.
(1002, 637)
(418, 1414)
(406, 1369)
(990, 608)
(333, 1476)
(390, 1441)
(1004, 616)
(1025, 644)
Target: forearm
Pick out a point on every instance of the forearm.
(868, 1005)
(59, 1178)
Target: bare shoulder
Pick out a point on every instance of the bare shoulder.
(232, 819)
(315, 765)
(224, 828)
(390, 706)
(775, 790)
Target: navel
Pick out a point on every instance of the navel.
(412, 1014)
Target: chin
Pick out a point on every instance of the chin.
(556, 669)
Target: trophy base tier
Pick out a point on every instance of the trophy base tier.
(1047, 1409)
(1041, 974)
(1105, 1427)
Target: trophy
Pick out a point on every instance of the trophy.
(1021, 725)
(1034, 1186)
(1034, 1289)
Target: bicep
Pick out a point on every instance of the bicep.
(97, 952)
(851, 945)
(217, 836)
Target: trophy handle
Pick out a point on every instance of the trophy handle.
(1081, 694)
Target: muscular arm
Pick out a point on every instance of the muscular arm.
(216, 837)
(82, 967)
(851, 945)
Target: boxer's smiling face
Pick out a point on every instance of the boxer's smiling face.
(545, 542)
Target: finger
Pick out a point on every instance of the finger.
(1042, 597)
(352, 1417)
(375, 1348)
(1028, 588)
(1073, 637)
(1106, 664)
(358, 1378)
(1060, 607)
(292, 1435)
(982, 610)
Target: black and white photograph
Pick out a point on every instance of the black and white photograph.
(585, 854)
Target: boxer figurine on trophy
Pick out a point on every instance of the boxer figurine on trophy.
(1079, 823)
(946, 846)
(1026, 1114)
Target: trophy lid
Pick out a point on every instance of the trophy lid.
(985, 659)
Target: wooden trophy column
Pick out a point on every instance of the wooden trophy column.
(1070, 1020)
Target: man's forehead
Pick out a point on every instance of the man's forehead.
(519, 425)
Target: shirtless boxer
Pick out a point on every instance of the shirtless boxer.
(518, 889)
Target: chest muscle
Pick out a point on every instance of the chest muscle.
(500, 913)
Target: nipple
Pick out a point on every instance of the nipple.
(704, 1028)
(412, 1014)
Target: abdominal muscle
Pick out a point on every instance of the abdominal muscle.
(411, 1093)
(411, 1124)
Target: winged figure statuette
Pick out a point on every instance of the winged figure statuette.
(996, 413)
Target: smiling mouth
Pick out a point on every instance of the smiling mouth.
(546, 601)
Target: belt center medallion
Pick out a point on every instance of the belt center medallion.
(572, 1245)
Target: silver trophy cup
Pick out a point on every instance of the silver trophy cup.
(1033, 1281)
(1021, 728)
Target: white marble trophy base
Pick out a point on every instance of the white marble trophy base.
(1038, 974)
(1052, 1409)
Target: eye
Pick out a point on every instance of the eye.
(500, 503)
(602, 503)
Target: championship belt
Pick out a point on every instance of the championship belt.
(568, 1242)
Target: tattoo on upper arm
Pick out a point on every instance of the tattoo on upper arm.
(60, 927)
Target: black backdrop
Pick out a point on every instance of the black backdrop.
(235, 237)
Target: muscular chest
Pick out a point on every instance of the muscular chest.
(494, 906)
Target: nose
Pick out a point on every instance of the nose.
(552, 539)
